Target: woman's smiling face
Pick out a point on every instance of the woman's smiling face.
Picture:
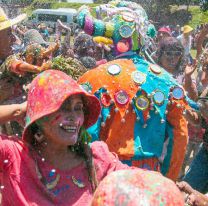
(63, 126)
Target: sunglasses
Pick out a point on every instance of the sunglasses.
(172, 53)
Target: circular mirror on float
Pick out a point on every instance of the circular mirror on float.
(114, 69)
(105, 99)
(128, 17)
(158, 97)
(126, 31)
(138, 77)
(142, 102)
(121, 97)
(155, 68)
(178, 93)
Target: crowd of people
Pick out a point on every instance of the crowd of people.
(109, 114)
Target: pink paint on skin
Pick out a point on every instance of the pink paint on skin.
(55, 120)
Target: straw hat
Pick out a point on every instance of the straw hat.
(186, 29)
(6, 23)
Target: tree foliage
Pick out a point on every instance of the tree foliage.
(17, 2)
(204, 5)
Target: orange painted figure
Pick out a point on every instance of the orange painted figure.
(143, 107)
(142, 114)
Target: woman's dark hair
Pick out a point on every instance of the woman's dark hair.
(171, 44)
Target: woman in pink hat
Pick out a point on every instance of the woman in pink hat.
(53, 164)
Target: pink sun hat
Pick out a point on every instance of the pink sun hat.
(47, 93)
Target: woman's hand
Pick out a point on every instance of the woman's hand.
(13, 112)
(192, 197)
(46, 65)
(189, 83)
(19, 114)
(192, 117)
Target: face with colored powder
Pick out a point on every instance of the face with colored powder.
(63, 126)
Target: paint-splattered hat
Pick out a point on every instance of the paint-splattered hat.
(137, 188)
(47, 93)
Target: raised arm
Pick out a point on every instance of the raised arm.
(20, 67)
(201, 39)
(189, 84)
(13, 112)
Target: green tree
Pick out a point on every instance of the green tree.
(18, 2)
(204, 5)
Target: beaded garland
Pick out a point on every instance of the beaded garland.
(81, 17)
(99, 28)
(109, 30)
(88, 26)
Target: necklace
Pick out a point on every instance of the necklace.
(52, 184)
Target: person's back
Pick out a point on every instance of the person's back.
(138, 120)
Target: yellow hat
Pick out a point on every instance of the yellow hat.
(187, 29)
(6, 23)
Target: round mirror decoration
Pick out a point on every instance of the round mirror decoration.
(114, 69)
(121, 97)
(142, 102)
(138, 77)
(178, 93)
(155, 69)
(126, 31)
(158, 97)
(128, 17)
(105, 99)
